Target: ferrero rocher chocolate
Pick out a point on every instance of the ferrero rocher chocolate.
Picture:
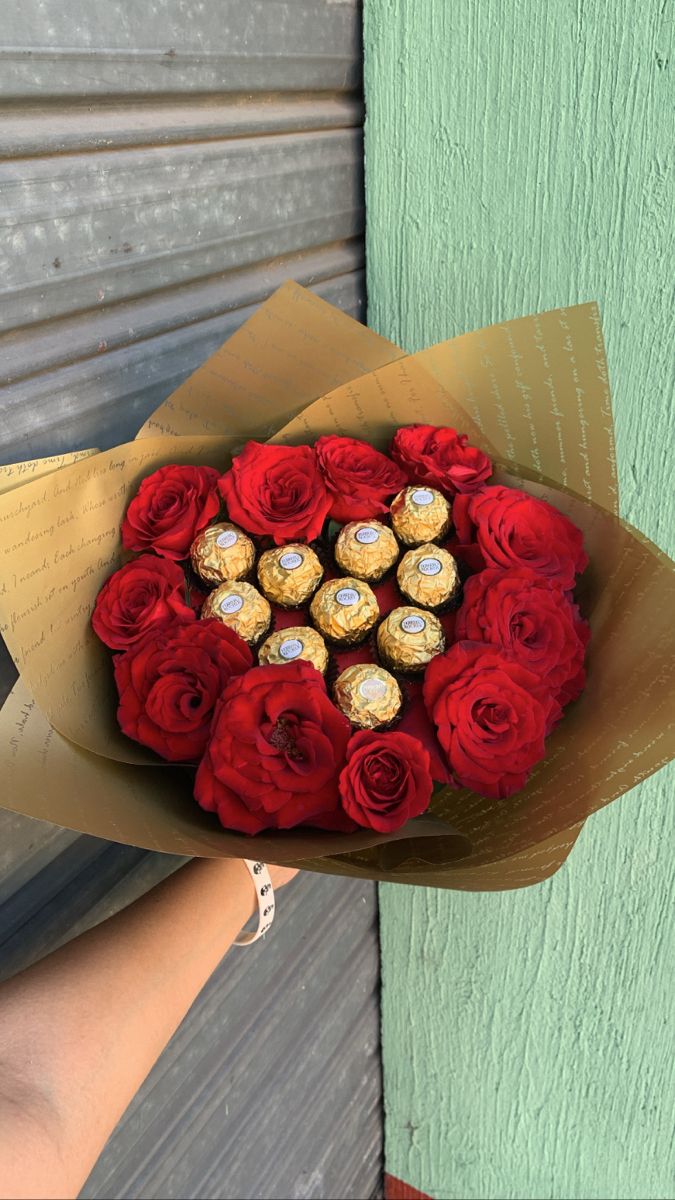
(344, 610)
(289, 645)
(222, 552)
(240, 606)
(409, 638)
(366, 549)
(428, 576)
(367, 695)
(289, 575)
(420, 514)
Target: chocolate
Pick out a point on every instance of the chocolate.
(428, 576)
(289, 575)
(366, 549)
(409, 638)
(344, 610)
(240, 606)
(222, 552)
(368, 696)
(420, 514)
(299, 642)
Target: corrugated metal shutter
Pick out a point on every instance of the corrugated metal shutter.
(167, 164)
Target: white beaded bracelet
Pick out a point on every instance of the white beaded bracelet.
(265, 897)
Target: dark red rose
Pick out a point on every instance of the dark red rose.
(147, 593)
(277, 491)
(491, 715)
(276, 750)
(361, 481)
(513, 529)
(533, 617)
(387, 780)
(169, 685)
(170, 508)
(440, 457)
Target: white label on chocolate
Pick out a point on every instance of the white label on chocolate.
(429, 566)
(291, 648)
(226, 539)
(413, 624)
(366, 535)
(373, 689)
(347, 596)
(231, 604)
(291, 560)
(423, 496)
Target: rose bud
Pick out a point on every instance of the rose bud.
(531, 616)
(277, 746)
(170, 508)
(513, 529)
(147, 593)
(491, 715)
(360, 479)
(277, 491)
(441, 458)
(387, 780)
(169, 684)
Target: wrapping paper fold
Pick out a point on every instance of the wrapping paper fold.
(533, 393)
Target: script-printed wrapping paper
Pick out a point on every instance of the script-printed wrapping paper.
(533, 393)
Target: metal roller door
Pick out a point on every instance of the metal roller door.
(165, 165)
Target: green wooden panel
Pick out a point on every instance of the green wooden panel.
(519, 157)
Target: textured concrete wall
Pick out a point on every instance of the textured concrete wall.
(518, 157)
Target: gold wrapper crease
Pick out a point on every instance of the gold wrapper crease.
(533, 393)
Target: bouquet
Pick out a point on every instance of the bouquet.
(330, 605)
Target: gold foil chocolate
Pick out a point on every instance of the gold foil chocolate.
(409, 638)
(420, 514)
(344, 610)
(428, 576)
(222, 552)
(366, 549)
(290, 645)
(289, 575)
(367, 695)
(240, 606)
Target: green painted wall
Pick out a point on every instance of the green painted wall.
(518, 158)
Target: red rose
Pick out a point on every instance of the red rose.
(169, 684)
(277, 746)
(170, 508)
(440, 457)
(513, 529)
(532, 617)
(387, 780)
(147, 593)
(491, 715)
(276, 491)
(361, 481)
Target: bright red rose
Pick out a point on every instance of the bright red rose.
(440, 457)
(277, 747)
(513, 529)
(147, 593)
(361, 481)
(169, 685)
(170, 508)
(276, 491)
(387, 780)
(531, 616)
(491, 715)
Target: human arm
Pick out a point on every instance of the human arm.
(81, 1029)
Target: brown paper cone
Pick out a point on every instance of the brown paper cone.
(533, 393)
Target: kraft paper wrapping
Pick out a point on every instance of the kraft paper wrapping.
(533, 393)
